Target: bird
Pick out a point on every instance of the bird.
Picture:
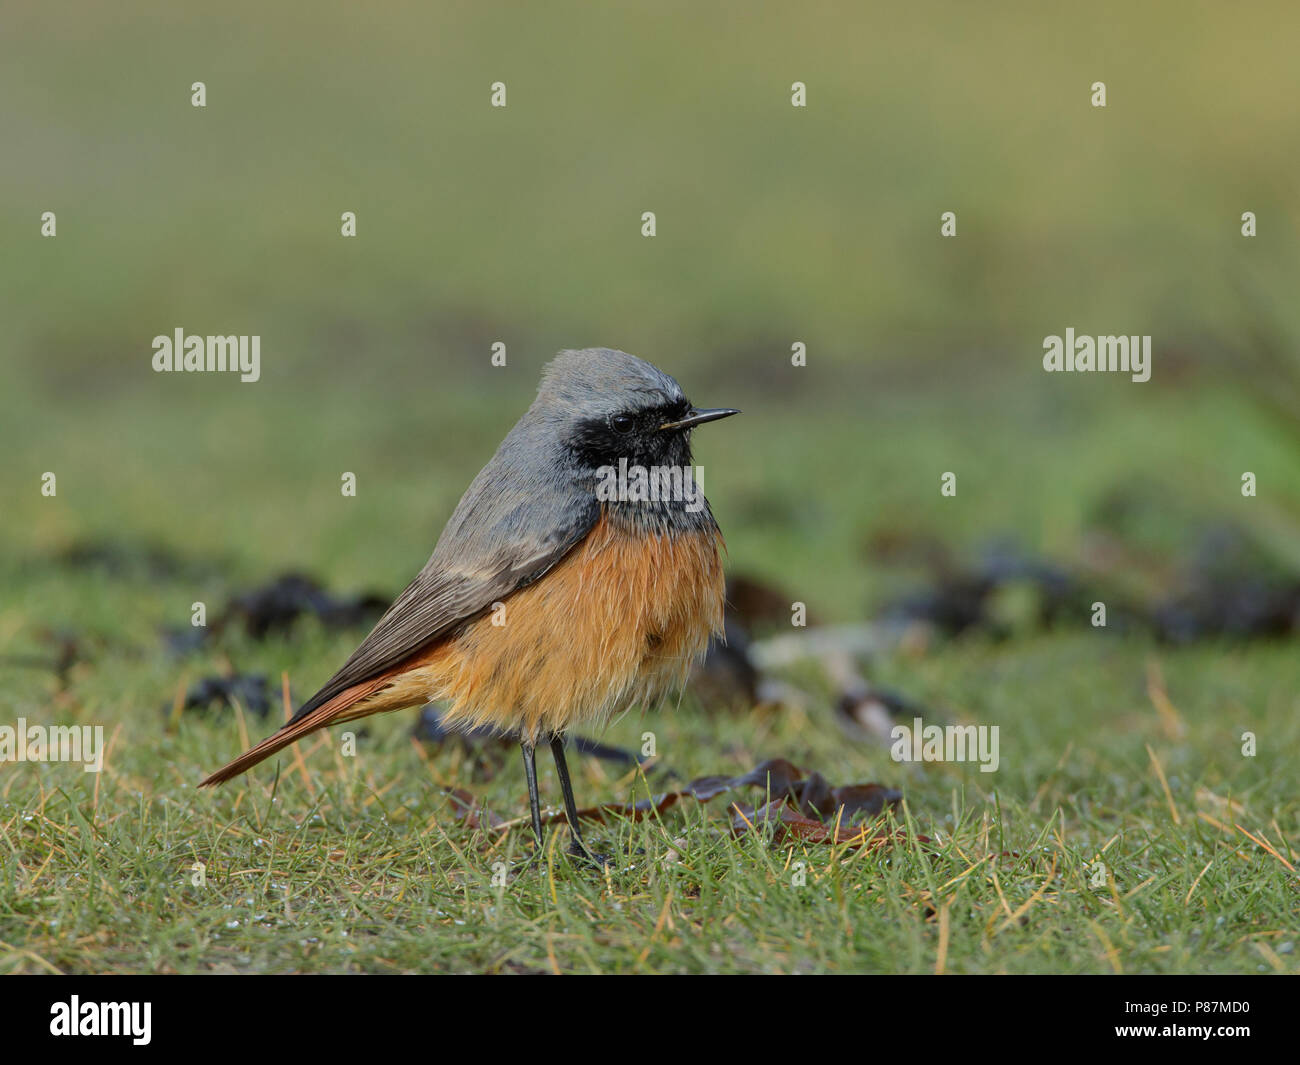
(566, 587)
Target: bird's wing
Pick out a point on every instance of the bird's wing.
(489, 549)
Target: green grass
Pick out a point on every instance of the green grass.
(774, 225)
(361, 864)
(364, 870)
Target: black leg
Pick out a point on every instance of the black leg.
(578, 846)
(534, 803)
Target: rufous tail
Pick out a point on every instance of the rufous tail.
(328, 713)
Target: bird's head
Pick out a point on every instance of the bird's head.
(610, 406)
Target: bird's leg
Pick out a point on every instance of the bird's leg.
(577, 846)
(534, 803)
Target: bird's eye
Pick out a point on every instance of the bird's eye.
(622, 423)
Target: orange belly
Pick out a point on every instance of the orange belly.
(617, 622)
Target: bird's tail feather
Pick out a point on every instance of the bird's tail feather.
(328, 713)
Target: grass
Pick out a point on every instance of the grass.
(774, 225)
(359, 864)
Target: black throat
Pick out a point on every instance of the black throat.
(643, 476)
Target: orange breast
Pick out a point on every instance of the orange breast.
(617, 622)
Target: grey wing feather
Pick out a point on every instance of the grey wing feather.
(509, 529)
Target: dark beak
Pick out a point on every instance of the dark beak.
(699, 417)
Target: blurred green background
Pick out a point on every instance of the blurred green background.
(522, 225)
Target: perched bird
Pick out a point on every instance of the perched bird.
(565, 588)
